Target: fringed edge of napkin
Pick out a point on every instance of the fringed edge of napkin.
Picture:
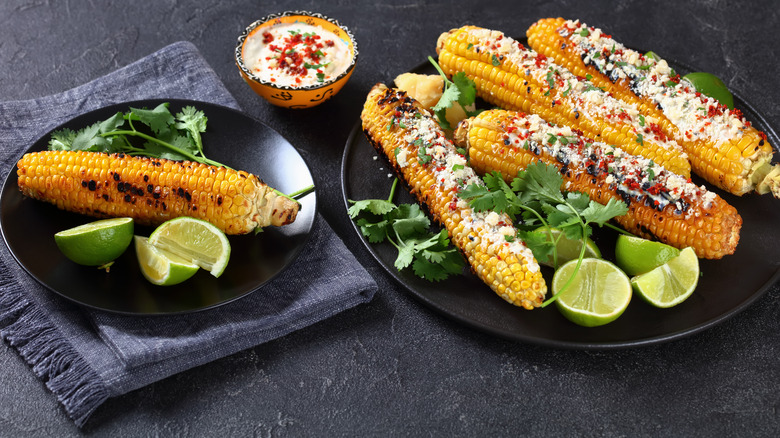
(52, 358)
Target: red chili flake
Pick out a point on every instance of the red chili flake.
(267, 37)
(715, 110)
(656, 129)
(762, 134)
(540, 60)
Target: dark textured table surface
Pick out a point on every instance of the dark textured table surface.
(392, 366)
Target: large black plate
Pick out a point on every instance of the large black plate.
(232, 138)
(726, 287)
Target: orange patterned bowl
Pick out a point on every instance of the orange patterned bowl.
(296, 59)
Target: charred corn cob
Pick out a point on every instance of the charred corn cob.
(721, 144)
(513, 77)
(662, 205)
(152, 190)
(401, 130)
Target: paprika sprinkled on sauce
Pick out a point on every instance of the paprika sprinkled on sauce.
(296, 55)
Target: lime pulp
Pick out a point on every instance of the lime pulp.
(195, 240)
(598, 294)
(161, 267)
(671, 283)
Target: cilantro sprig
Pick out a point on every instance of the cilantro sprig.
(535, 202)
(460, 89)
(175, 137)
(159, 134)
(407, 228)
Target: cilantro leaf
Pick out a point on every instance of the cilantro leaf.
(158, 119)
(437, 266)
(406, 227)
(162, 135)
(375, 206)
(539, 181)
(599, 213)
(375, 231)
(483, 199)
(466, 88)
(460, 89)
(539, 243)
(409, 220)
(62, 140)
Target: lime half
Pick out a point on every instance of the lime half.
(671, 283)
(194, 240)
(161, 267)
(636, 255)
(598, 294)
(96, 243)
(567, 249)
(711, 85)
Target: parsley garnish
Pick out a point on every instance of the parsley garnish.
(640, 139)
(495, 61)
(407, 228)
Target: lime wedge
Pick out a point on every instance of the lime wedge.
(195, 240)
(636, 255)
(598, 294)
(567, 249)
(711, 85)
(652, 55)
(671, 283)
(161, 267)
(96, 243)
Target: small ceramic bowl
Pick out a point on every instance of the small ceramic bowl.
(291, 96)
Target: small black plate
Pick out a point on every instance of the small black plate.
(233, 138)
(726, 287)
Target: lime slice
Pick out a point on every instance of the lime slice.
(598, 294)
(161, 267)
(636, 255)
(96, 243)
(671, 283)
(652, 55)
(567, 249)
(195, 240)
(711, 85)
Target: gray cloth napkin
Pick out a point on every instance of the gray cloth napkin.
(86, 356)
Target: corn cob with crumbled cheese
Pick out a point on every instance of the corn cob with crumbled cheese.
(721, 144)
(513, 77)
(152, 190)
(662, 205)
(401, 130)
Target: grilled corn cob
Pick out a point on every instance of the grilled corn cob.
(152, 190)
(513, 77)
(401, 130)
(662, 205)
(721, 144)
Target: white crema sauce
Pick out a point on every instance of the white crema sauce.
(295, 55)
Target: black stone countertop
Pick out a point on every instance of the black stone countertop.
(393, 367)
